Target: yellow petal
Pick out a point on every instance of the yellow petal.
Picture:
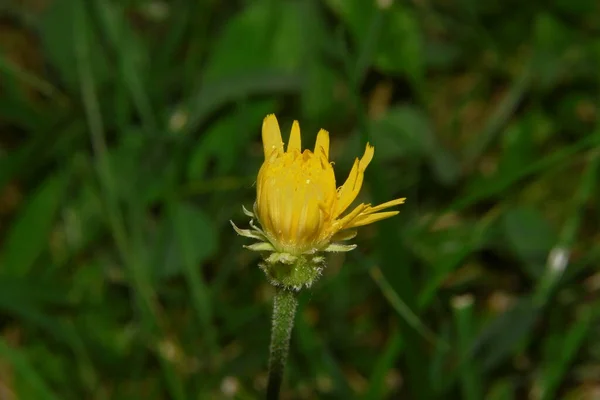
(367, 157)
(271, 136)
(351, 187)
(346, 194)
(344, 222)
(295, 142)
(322, 144)
(370, 218)
(363, 212)
(385, 205)
(344, 235)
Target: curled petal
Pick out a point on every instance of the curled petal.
(370, 214)
(385, 205)
(370, 218)
(367, 157)
(353, 184)
(344, 222)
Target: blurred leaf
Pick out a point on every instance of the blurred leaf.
(404, 310)
(225, 140)
(571, 112)
(517, 148)
(39, 293)
(444, 164)
(504, 389)
(406, 131)
(478, 189)
(440, 378)
(402, 130)
(144, 169)
(188, 238)
(502, 113)
(272, 53)
(125, 158)
(16, 112)
(471, 378)
(321, 93)
(273, 39)
(28, 379)
(401, 47)
(318, 355)
(30, 232)
(195, 235)
(132, 57)
(31, 302)
(56, 34)
(197, 230)
(82, 223)
(385, 362)
(214, 95)
(355, 13)
(441, 54)
(552, 39)
(560, 350)
(324, 92)
(529, 235)
(249, 24)
(16, 106)
(579, 8)
(504, 334)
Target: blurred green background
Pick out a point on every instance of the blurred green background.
(130, 136)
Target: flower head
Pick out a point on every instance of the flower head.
(298, 205)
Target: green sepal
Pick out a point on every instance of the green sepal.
(338, 247)
(292, 272)
(260, 246)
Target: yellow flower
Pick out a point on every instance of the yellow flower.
(298, 206)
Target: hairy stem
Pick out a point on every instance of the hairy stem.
(284, 311)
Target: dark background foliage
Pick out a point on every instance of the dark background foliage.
(130, 136)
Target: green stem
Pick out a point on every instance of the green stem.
(284, 311)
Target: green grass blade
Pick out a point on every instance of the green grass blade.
(25, 371)
(385, 362)
(404, 310)
(470, 377)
